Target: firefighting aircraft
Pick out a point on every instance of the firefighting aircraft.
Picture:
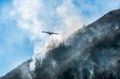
(49, 33)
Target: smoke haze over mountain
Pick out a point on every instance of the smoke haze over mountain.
(92, 52)
(21, 24)
(29, 14)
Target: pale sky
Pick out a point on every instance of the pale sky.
(21, 23)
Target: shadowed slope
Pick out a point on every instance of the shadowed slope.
(92, 52)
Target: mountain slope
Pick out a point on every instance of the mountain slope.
(92, 52)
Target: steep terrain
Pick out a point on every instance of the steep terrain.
(92, 52)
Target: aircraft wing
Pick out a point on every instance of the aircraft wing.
(44, 32)
(55, 33)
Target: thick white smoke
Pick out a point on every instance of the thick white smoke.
(71, 17)
(52, 43)
(34, 16)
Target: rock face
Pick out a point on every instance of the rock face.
(92, 52)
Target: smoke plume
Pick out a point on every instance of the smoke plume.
(34, 16)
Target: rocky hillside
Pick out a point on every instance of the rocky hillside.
(92, 52)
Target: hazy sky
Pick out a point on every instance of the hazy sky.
(21, 23)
